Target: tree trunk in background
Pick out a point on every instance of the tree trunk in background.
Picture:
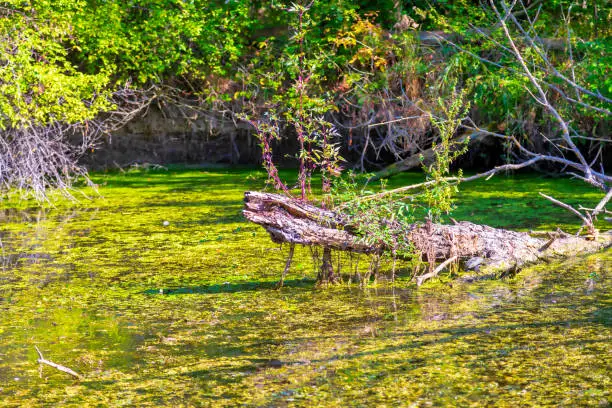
(426, 157)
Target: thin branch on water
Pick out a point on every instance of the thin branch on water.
(435, 272)
(42, 360)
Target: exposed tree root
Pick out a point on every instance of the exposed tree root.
(287, 265)
(421, 279)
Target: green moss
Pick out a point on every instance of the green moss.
(185, 313)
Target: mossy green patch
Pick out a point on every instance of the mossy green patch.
(159, 293)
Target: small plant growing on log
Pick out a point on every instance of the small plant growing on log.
(298, 112)
(382, 219)
(439, 196)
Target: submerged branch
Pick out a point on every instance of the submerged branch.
(421, 279)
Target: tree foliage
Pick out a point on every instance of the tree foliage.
(351, 63)
(39, 84)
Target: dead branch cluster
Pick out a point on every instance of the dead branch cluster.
(563, 149)
(36, 158)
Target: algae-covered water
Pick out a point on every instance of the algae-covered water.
(160, 294)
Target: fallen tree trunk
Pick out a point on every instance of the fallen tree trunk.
(479, 247)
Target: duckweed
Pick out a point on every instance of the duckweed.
(159, 293)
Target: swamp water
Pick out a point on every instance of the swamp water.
(160, 294)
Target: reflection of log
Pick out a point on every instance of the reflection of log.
(479, 246)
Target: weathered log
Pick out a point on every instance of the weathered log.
(479, 247)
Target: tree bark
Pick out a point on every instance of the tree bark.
(478, 247)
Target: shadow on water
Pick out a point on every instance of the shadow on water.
(228, 287)
(603, 316)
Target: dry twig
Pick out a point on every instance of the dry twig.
(435, 272)
(60, 367)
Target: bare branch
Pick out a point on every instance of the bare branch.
(435, 272)
(601, 206)
(542, 95)
(489, 173)
(588, 222)
(60, 367)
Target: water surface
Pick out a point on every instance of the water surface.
(159, 293)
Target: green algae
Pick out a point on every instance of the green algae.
(159, 293)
